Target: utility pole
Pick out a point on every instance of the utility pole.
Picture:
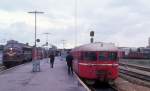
(35, 14)
(46, 38)
(75, 22)
(63, 42)
(36, 65)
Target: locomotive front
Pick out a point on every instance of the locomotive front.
(11, 55)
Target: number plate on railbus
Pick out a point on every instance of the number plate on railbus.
(100, 72)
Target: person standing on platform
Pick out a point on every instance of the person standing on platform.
(69, 59)
(35, 61)
(38, 60)
(52, 58)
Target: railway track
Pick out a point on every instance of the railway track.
(103, 87)
(135, 66)
(2, 67)
(140, 74)
(97, 87)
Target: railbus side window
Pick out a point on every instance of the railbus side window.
(89, 56)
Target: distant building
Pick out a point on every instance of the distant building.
(127, 50)
(1, 47)
(144, 50)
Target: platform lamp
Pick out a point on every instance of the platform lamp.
(36, 40)
(35, 13)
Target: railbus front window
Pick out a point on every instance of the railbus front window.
(112, 56)
(102, 56)
(107, 56)
(89, 56)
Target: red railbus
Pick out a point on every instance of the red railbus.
(96, 62)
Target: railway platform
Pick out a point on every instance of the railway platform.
(21, 78)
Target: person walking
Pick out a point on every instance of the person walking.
(69, 59)
(52, 58)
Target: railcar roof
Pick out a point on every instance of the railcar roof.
(98, 46)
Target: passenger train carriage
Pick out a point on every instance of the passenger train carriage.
(96, 61)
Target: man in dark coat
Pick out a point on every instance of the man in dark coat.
(52, 58)
(69, 59)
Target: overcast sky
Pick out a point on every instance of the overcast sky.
(123, 22)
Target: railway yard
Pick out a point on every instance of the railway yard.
(133, 74)
(20, 78)
(74, 45)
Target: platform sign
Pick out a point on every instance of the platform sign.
(38, 40)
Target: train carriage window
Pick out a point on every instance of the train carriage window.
(89, 56)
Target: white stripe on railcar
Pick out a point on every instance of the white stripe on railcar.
(87, 64)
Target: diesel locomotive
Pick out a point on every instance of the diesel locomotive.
(15, 53)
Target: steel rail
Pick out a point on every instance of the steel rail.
(92, 87)
(82, 83)
(135, 74)
(140, 74)
(135, 66)
(14, 67)
(2, 68)
(110, 88)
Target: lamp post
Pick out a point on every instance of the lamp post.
(76, 23)
(63, 42)
(35, 14)
(36, 64)
(46, 38)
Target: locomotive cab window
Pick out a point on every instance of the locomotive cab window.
(89, 56)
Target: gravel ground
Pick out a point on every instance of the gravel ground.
(124, 85)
